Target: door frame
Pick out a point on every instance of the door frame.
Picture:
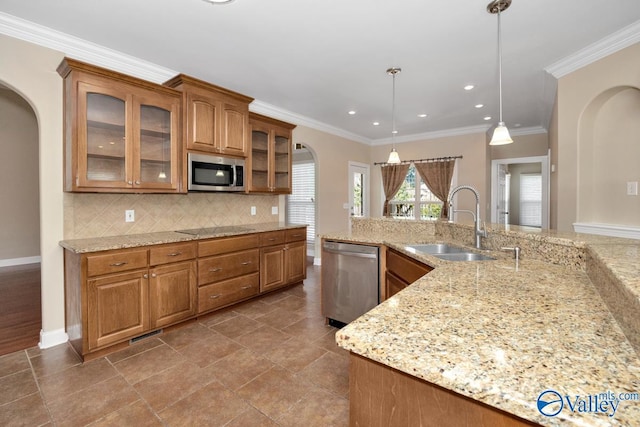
(544, 160)
(353, 166)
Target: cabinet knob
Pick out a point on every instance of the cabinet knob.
(137, 182)
(286, 248)
(154, 275)
(130, 182)
(146, 276)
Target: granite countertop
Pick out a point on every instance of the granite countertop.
(98, 244)
(502, 333)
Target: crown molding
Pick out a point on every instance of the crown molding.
(82, 50)
(432, 135)
(266, 109)
(625, 37)
(533, 130)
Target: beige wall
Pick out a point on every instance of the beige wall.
(19, 187)
(472, 169)
(523, 146)
(332, 154)
(30, 71)
(597, 123)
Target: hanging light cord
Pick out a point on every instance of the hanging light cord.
(500, 62)
(393, 109)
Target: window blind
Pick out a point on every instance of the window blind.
(301, 201)
(531, 200)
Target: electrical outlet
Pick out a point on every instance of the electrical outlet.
(274, 210)
(253, 210)
(632, 188)
(129, 215)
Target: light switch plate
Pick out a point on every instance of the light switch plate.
(253, 210)
(129, 215)
(632, 188)
(274, 210)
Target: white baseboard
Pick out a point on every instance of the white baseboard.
(612, 230)
(20, 261)
(52, 338)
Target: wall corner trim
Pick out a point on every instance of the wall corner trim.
(52, 338)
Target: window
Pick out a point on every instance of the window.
(301, 201)
(403, 204)
(531, 200)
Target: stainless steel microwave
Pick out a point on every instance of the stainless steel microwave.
(214, 173)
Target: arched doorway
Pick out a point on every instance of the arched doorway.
(20, 285)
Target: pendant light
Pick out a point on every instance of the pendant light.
(394, 158)
(501, 133)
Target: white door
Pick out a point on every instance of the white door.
(502, 205)
(358, 190)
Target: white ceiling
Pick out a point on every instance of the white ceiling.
(314, 60)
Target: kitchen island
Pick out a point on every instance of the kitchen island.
(491, 336)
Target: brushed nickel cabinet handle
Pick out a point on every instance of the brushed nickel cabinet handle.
(118, 264)
(215, 296)
(215, 269)
(245, 263)
(174, 254)
(247, 287)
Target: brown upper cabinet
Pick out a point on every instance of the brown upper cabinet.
(216, 120)
(269, 165)
(122, 134)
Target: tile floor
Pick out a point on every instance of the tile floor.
(268, 362)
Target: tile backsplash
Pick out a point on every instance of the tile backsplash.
(98, 215)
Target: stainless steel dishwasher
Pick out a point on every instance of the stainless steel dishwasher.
(350, 281)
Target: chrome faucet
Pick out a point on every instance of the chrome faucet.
(479, 232)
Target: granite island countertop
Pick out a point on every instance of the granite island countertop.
(502, 333)
(106, 243)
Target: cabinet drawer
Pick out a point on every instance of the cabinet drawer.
(227, 244)
(215, 269)
(405, 268)
(393, 284)
(114, 262)
(172, 253)
(296, 235)
(227, 292)
(271, 238)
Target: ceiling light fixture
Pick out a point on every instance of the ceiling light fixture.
(479, 105)
(218, 1)
(394, 158)
(422, 116)
(501, 133)
(376, 123)
(351, 112)
(469, 87)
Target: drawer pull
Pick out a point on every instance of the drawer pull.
(296, 235)
(174, 254)
(247, 287)
(215, 269)
(118, 264)
(246, 263)
(272, 239)
(215, 296)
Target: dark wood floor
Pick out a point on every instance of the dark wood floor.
(20, 307)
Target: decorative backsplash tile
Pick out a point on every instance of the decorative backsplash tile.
(98, 215)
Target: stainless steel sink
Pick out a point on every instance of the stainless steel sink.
(464, 256)
(448, 252)
(435, 248)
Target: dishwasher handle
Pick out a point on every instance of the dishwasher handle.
(352, 254)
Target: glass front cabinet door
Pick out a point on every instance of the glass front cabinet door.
(269, 168)
(119, 137)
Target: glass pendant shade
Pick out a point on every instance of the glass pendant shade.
(394, 158)
(501, 135)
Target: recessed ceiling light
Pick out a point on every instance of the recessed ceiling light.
(376, 123)
(479, 105)
(488, 118)
(468, 87)
(218, 1)
(422, 115)
(351, 112)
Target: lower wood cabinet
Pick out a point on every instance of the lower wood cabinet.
(401, 271)
(114, 296)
